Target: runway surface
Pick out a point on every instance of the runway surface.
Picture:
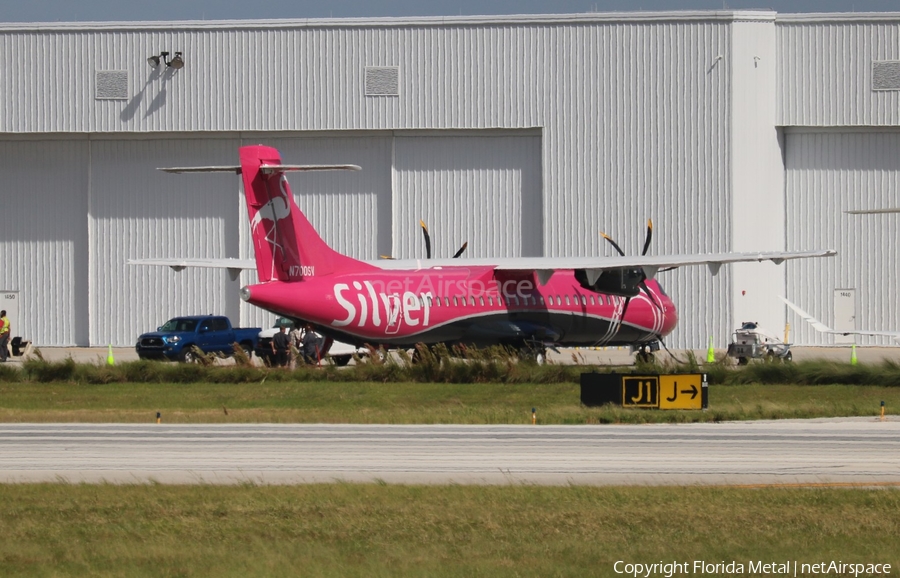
(836, 451)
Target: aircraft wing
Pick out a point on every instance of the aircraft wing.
(822, 328)
(543, 266)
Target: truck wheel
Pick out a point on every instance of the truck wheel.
(340, 360)
(188, 356)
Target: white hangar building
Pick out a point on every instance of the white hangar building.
(524, 135)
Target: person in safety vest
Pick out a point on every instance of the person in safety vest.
(4, 336)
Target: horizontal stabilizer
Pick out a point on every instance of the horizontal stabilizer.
(268, 169)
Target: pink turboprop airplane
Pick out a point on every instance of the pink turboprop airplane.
(529, 302)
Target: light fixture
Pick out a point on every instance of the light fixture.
(177, 61)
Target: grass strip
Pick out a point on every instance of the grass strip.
(492, 365)
(380, 530)
(411, 403)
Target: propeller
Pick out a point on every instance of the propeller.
(643, 282)
(425, 234)
(427, 237)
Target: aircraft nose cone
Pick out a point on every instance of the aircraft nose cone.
(245, 293)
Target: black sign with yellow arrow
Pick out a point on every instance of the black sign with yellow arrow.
(661, 391)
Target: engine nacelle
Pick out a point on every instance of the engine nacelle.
(621, 282)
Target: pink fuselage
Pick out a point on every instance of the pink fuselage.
(471, 305)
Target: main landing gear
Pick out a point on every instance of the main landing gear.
(645, 352)
(534, 353)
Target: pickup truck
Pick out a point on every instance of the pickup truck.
(210, 333)
(339, 352)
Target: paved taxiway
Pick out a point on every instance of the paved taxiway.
(827, 451)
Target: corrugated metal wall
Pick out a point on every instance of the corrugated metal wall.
(633, 113)
(825, 69)
(484, 190)
(636, 127)
(43, 237)
(828, 173)
(138, 212)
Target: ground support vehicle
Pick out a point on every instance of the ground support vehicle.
(750, 341)
(176, 339)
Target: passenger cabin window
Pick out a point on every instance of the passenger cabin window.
(567, 300)
(481, 300)
(456, 302)
(583, 300)
(472, 301)
(490, 301)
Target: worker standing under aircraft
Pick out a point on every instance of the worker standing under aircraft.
(281, 346)
(4, 336)
(312, 345)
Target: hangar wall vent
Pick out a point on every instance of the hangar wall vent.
(886, 75)
(111, 84)
(382, 81)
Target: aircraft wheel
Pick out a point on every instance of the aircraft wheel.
(788, 357)
(534, 355)
(743, 361)
(644, 357)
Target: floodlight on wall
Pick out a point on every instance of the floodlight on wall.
(177, 61)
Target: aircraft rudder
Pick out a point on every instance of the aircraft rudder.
(287, 246)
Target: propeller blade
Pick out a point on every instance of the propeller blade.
(625, 308)
(427, 239)
(646, 290)
(649, 236)
(613, 243)
(386, 257)
(461, 250)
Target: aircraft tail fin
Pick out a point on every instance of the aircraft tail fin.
(286, 245)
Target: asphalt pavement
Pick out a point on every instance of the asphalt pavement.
(847, 451)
